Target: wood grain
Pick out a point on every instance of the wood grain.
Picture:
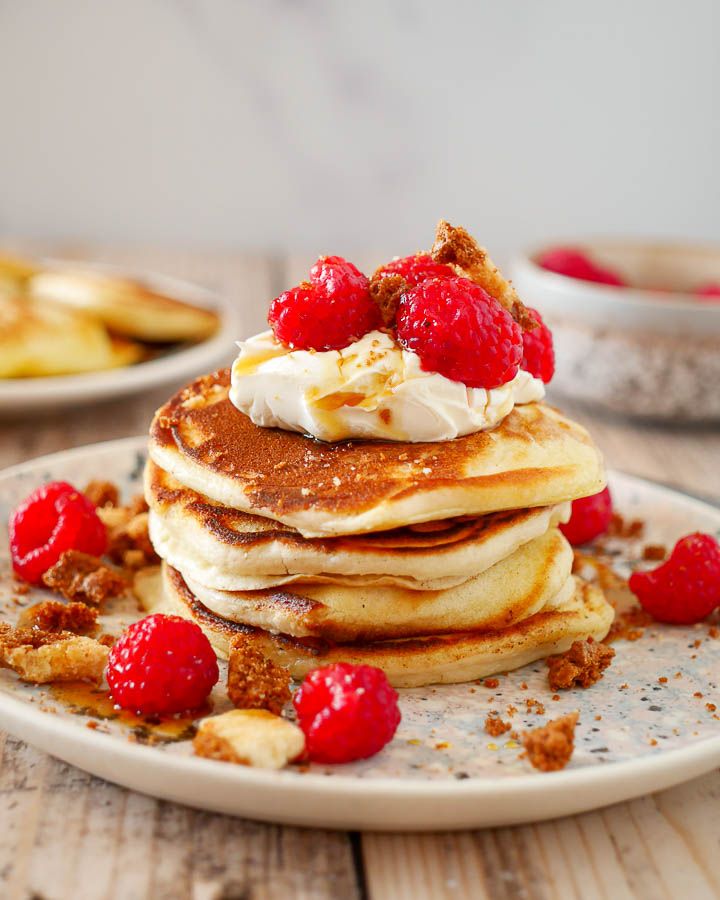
(661, 846)
(65, 835)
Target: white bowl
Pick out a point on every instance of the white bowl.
(650, 351)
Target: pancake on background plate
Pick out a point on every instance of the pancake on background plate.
(365, 498)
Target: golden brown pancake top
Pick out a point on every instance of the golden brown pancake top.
(285, 471)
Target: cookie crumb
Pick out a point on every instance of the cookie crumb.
(583, 664)
(654, 551)
(47, 656)
(550, 746)
(53, 615)
(255, 682)
(385, 293)
(249, 737)
(102, 493)
(495, 726)
(79, 576)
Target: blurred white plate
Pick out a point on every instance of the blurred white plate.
(19, 396)
(441, 771)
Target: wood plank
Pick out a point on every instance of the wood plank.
(67, 835)
(662, 846)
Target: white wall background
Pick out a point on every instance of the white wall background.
(330, 125)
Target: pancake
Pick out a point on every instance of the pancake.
(534, 457)
(232, 550)
(40, 338)
(412, 662)
(126, 307)
(511, 590)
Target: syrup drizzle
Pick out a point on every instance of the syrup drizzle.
(84, 699)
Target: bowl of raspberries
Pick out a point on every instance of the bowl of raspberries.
(636, 324)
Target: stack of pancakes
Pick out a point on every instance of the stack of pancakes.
(437, 562)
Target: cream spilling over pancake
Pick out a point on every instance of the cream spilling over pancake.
(416, 528)
(372, 389)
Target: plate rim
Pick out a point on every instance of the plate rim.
(680, 764)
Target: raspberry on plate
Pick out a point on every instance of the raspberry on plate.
(576, 264)
(415, 269)
(346, 712)
(538, 351)
(162, 665)
(686, 587)
(54, 518)
(461, 332)
(709, 291)
(591, 517)
(328, 312)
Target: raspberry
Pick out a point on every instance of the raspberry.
(458, 330)
(709, 291)
(686, 587)
(590, 518)
(162, 665)
(538, 351)
(329, 312)
(415, 269)
(335, 274)
(347, 712)
(54, 518)
(576, 264)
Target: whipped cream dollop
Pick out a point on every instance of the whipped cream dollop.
(372, 389)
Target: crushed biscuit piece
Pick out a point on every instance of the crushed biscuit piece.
(128, 537)
(249, 737)
(495, 726)
(83, 577)
(621, 528)
(45, 656)
(711, 707)
(550, 746)
(385, 293)
(583, 664)
(453, 246)
(255, 682)
(102, 493)
(107, 640)
(654, 551)
(491, 682)
(53, 615)
(662, 679)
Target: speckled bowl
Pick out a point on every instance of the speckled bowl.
(651, 351)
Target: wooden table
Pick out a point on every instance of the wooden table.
(65, 835)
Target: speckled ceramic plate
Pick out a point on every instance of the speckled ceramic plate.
(28, 396)
(636, 734)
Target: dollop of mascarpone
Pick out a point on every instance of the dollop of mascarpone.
(371, 389)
